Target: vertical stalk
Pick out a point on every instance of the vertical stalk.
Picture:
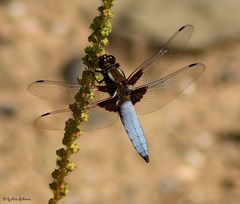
(101, 28)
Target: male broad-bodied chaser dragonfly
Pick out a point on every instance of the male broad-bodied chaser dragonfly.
(146, 89)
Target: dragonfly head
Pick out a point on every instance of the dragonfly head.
(106, 61)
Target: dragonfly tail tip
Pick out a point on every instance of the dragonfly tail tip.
(146, 158)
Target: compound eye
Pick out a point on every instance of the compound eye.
(111, 59)
(102, 57)
(102, 61)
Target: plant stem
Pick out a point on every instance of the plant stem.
(101, 28)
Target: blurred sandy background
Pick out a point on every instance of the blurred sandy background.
(194, 142)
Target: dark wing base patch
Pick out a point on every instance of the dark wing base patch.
(137, 94)
(109, 105)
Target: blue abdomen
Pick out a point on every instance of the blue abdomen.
(134, 129)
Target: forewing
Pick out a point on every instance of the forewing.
(161, 61)
(160, 92)
(98, 118)
(60, 92)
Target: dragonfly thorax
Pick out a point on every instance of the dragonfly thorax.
(124, 93)
(111, 70)
(116, 75)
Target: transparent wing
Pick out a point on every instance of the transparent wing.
(143, 74)
(60, 92)
(98, 118)
(160, 92)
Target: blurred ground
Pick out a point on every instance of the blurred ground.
(194, 141)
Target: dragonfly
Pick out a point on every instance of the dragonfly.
(148, 88)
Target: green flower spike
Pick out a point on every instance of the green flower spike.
(101, 28)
